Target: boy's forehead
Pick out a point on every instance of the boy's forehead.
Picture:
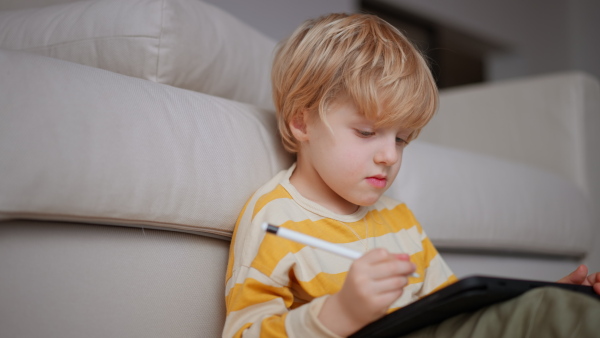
(356, 116)
(381, 117)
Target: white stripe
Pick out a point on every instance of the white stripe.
(437, 273)
(404, 241)
(244, 272)
(309, 262)
(410, 294)
(386, 202)
(292, 212)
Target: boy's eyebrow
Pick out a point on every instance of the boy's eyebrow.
(359, 119)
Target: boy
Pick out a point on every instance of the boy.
(350, 93)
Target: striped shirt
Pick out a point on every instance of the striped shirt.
(276, 287)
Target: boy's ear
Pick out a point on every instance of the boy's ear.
(298, 126)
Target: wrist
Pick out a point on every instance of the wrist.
(336, 317)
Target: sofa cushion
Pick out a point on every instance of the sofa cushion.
(84, 144)
(470, 201)
(184, 43)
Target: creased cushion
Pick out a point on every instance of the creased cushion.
(183, 43)
(470, 201)
(85, 144)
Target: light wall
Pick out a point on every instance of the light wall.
(540, 36)
(278, 18)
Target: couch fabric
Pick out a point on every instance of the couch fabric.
(64, 279)
(106, 148)
(187, 44)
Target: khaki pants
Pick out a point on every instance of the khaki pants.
(543, 312)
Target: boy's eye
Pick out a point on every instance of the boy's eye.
(365, 133)
(401, 141)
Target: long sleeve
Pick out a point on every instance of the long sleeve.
(259, 307)
(264, 295)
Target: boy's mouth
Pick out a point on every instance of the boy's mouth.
(377, 181)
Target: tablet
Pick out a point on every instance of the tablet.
(466, 295)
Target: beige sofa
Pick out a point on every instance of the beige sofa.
(132, 132)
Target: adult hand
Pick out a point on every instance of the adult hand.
(580, 277)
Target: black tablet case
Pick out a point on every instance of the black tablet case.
(466, 295)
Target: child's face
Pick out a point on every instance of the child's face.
(351, 164)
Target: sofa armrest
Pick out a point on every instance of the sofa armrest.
(510, 166)
(551, 122)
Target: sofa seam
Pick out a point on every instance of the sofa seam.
(160, 35)
(6, 216)
(62, 43)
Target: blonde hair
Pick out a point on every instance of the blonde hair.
(357, 55)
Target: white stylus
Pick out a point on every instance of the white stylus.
(315, 242)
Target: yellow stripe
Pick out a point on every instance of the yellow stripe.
(322, 284)
(233, 237)
(391, 220)
(328, 229)
(380, 223)
(423, 258)
(266, 260)
(278, 192)
(253, 292)
(274, 326)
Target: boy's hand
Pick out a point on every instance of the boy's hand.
(373, 283)
(580, 277)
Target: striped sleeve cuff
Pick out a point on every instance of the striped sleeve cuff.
(304, 322)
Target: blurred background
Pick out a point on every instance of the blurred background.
(467, 41)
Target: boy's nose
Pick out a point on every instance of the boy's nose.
(388, 153)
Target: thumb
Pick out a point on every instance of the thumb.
(576, 277)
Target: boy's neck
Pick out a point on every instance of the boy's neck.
(311, 186)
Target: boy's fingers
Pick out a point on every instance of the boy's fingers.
(375, 255)
(392, 284)
(402, 256)
(383, 264)
(391, 269)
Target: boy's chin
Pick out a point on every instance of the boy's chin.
(367, 201)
